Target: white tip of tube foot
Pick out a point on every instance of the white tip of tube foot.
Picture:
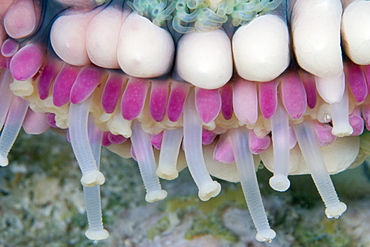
(279, 182)
(265, 235)
(341, 131)
(336, 211)
(209, 190)
(97, 234)
(93, 178)
(167, 173)
(3, 161)
(156, 195)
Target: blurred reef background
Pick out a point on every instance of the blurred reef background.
(41, 204)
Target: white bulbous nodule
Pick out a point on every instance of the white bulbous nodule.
(261, 48)
(102, 37)
(204, 59)
(68, 37)
(315, 28)
(356, 32)
(144, 49)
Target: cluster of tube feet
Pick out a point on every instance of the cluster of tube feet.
(215, 86)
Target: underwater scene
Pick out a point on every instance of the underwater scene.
(184, 123)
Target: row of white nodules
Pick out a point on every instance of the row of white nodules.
(260, 50)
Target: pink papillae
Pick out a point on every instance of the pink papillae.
(323, 133)
(115, 139)
(245, 100)
(158, 99)
(50, 119)
(366, 115)
(27, 61)
(176, 100)
(224, 150)
(112, 91)
(48, 75)
(268, 100)
(208, 103)
(4, 61)
(105, 140)
(356, 122)
(35, 123)
(157, 140)
(258, 144)
(20, 20)
(133, 99)
(9, 47)
(227, 101)
(208, 137)
(308, 81)
(86, 82)
(293, 94)
(366, 71)
(356, 81)
(63, 84)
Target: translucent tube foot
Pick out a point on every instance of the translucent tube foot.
(192, 144)
(93, 178)
(171, 143)
(281, 142)
(311, 153)
(145, 158)
(266, 235)
(156, 195)
(248, 180)
(209, 190)
(335, 211)
(78, 119)
(97, 234)
(339, 113)
(279, 182)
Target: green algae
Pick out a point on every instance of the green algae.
(44, 165)
(364, 151)
(326, 233)
(162, 225)
(210, 225)
(53, 160)
(206, 216)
